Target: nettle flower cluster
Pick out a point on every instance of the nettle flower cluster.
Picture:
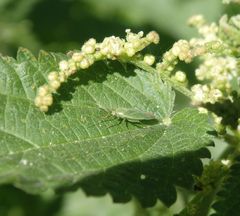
(186, 51)
(219, 70)
(218, 49)
(110, 48)
(124, 50)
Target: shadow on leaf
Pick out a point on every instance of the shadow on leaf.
(148, 181)
(98, 73)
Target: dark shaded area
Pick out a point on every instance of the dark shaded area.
(149, 181)
(232, 9)
(228, 203)
(16, 202)
(229, 110)
(60, 26)
(73, 22)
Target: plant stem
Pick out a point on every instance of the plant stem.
(164, 77)
(210, 182)
(200, 204)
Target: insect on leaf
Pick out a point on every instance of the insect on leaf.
(133, 114)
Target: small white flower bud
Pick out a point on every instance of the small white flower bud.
(205, 88)
(216, 94)
(180, 76)
(217, 119)
(47, 100)
(136, 44)
(202, 110)
(92, 41)
(170, 68)
(43, 90)
(62, 76)
(216, 45)
(52, 76)
(198, 51)
(104, 50)
(98, 55)
(88, 49)
(43, 108)
(128, 45)
(140, 34)
(130, 52)
(149, 59)
(63, 65)
(77, 57)
(84, 64)
(38, 101)
(196, 20)
(90, 59)
(176, 50)
(169, 56)
(55, 84)
(226, 162)
(198, 94)
(153, 37)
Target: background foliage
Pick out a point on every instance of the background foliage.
(61, 25)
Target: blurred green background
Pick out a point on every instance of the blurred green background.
(62, 25)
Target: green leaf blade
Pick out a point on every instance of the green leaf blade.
(79, 139)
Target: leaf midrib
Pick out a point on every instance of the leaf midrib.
(53, 145)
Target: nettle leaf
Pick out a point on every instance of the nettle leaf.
(80, 143)
(228, 203)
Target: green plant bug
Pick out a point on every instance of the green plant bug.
(133, 115)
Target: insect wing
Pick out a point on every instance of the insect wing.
(135, 114)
